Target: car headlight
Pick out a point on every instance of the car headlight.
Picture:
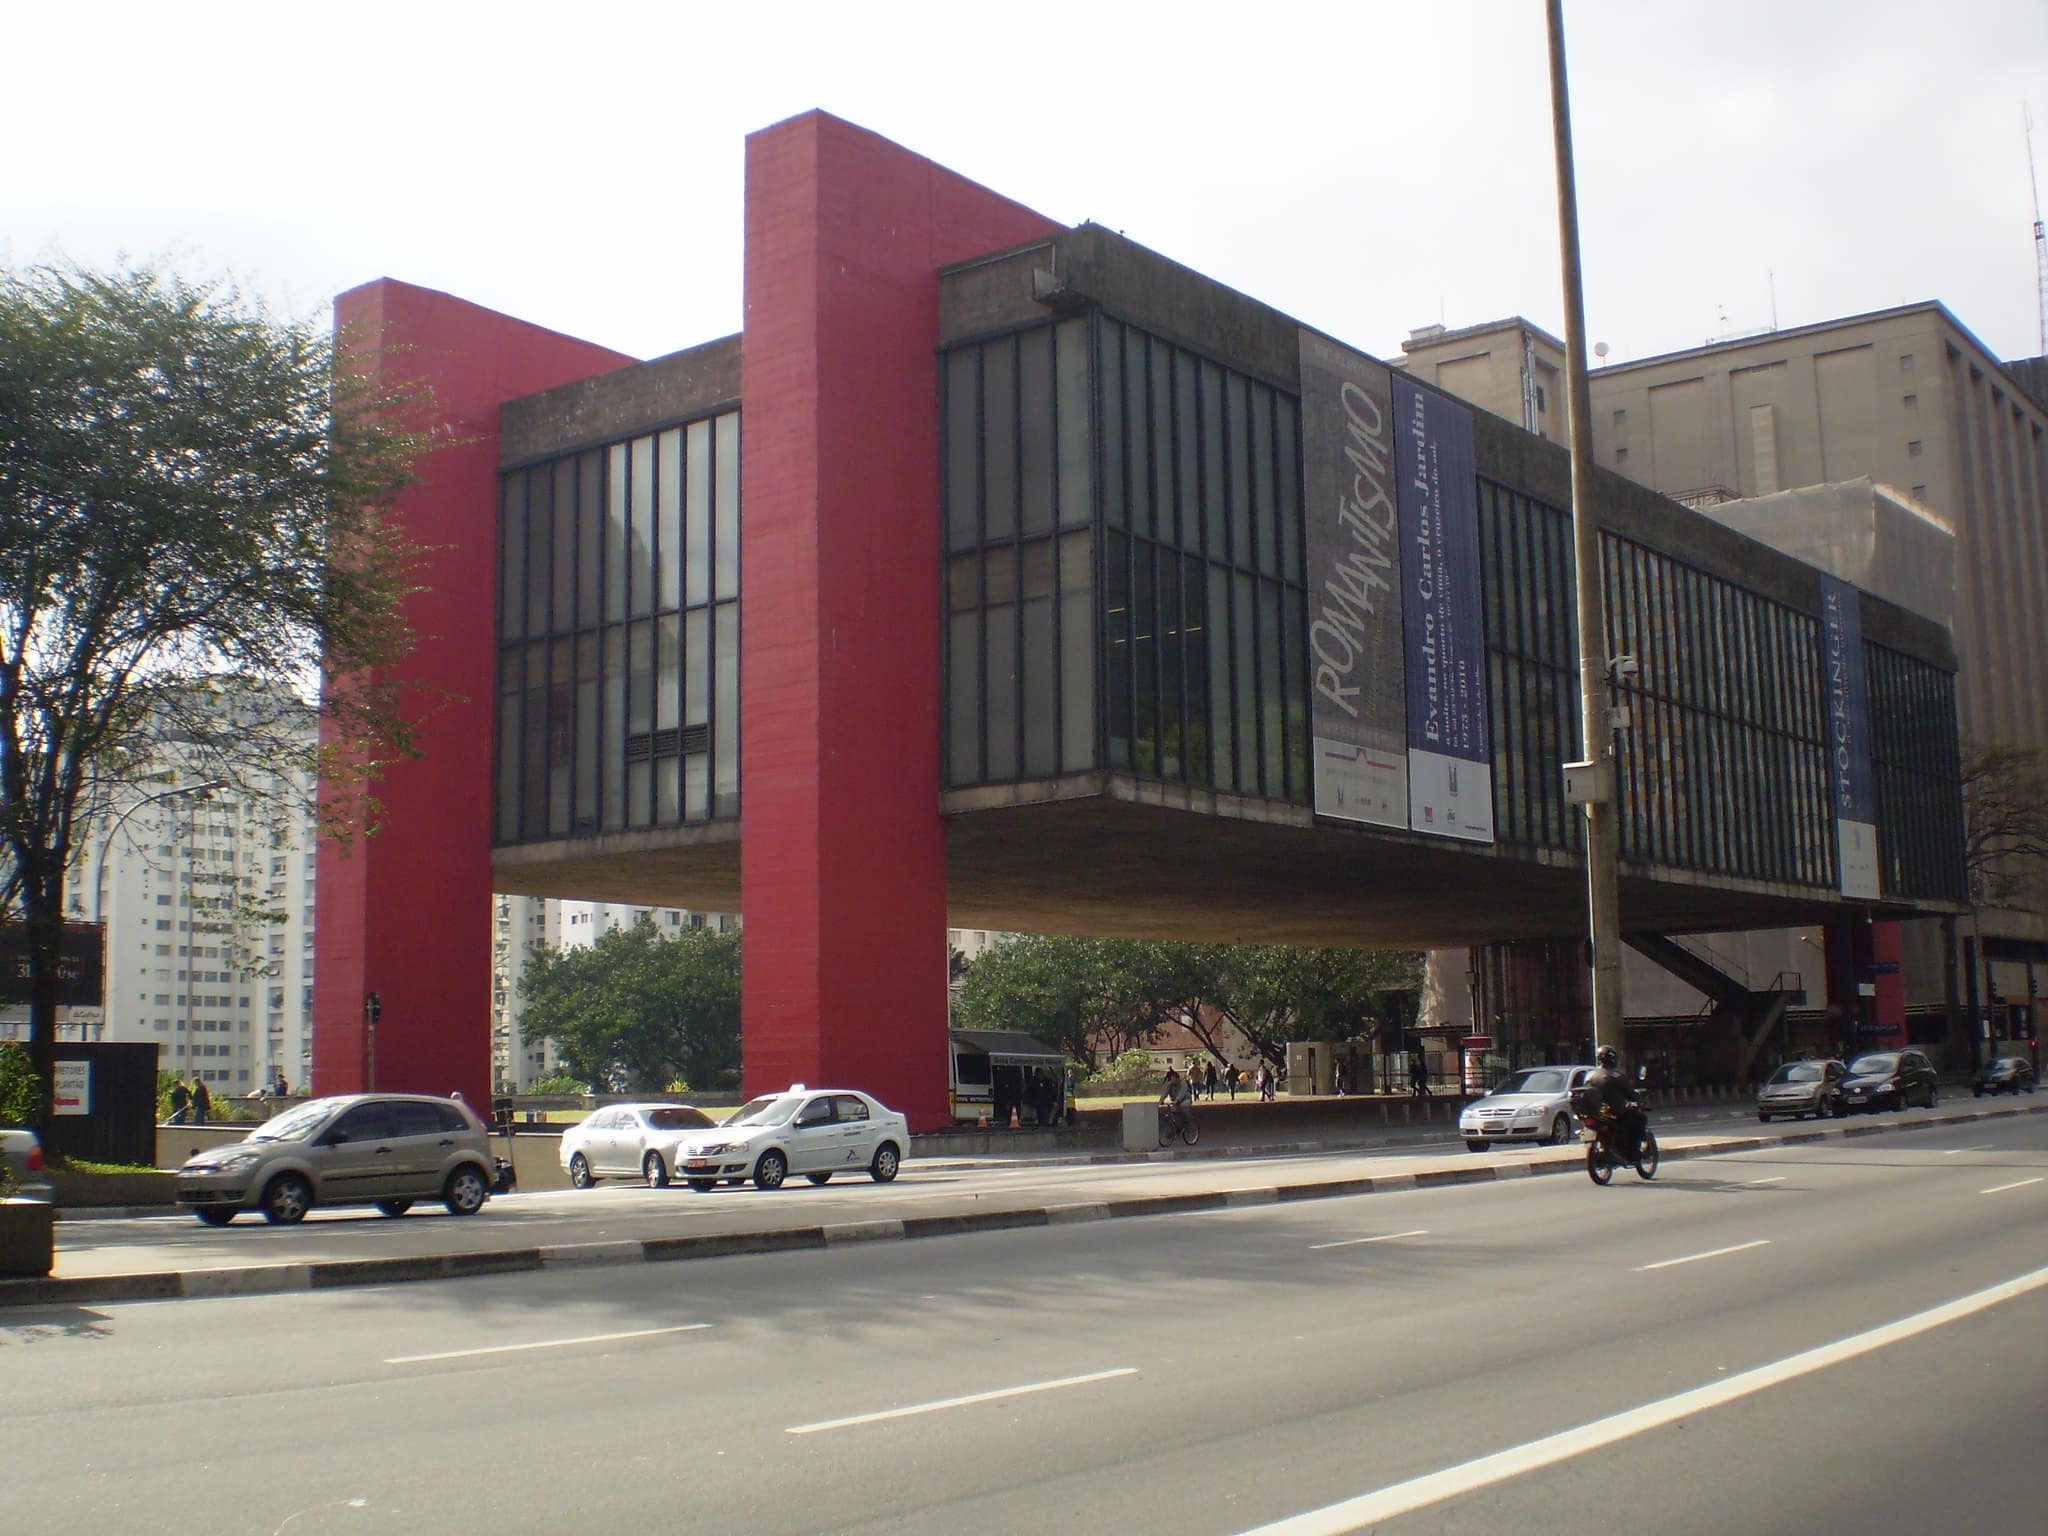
(235, 1162)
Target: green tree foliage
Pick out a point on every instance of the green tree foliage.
(20, 1097)
(194, 520)
(1097, 997)
(636, 1012)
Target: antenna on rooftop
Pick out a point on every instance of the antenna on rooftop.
(2040, 236)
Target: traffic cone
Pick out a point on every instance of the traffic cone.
(1015, 1124)
(981, 1120)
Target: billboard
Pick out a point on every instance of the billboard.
(81, 966)
(1357, 701)
(1450, 755)
(1848, 718)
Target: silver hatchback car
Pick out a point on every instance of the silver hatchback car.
(381, 1149)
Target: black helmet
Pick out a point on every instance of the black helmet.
(1606, 1056)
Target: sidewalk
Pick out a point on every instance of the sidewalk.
(1224, 1178)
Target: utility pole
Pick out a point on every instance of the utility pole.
(2040, 235)
(1597, 790)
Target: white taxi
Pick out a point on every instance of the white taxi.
(816, 1132)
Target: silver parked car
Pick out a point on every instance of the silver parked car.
(381, 1149)
(1534, 1104)
(22, 1155)
(816, 1132)
(628, 1141)
(1802, 1088)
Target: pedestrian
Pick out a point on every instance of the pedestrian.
(202, 1101)
(1209, 1082)
(283, 1089)
(1419, 1071)
(1230, 1076)
(181, 1101)
(1337, 1078)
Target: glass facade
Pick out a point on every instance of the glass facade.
(1102, 480)
(1916, 764)
(618, 636)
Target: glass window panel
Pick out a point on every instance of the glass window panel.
(1172, 748)
(1138, 428)
(1077, 652)
(1243, 624)
(696, 786)
(1293, 647)
(1116, 640)
(613, 813)
(589, 539)
(668, 519)
(561, 736)
(1196, 641)
(1271, 700)
(698, 466)
(1187, 454)
(1035, 433)
(1037, 662)
(668, 672)
(639, 722)
(697, 667)
(963, 583)
(1162, 443)
(533, 773)
(1144, 660)
(726, 429)
(963, 700)
(587, 727)
(1264, 521)
(1001, 691)
(512, 559)
(725, 732)
(1222, 712)
(562, 614)
(999, 438)
(1214, 539)
(1001, 574)
(616, 532)
(511, 667)
(1237, 447)
(1115, 491)
(963, 448)
(642, 593)
(1076, 424)
(1287, 460)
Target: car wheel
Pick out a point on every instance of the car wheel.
(215, 1215)
(1934, 1095)
(1763, 1118)
(579, 1172)
(703, 1186)
(771, 1170)
(886, 1161)
(1561, 1131)
(1476, 1146)
(394, 1207)
(466, 1190)
(819, 1178)
(286, 1199)
(655, 1171)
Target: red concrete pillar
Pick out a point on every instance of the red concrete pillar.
(842, 852)
(406, 913)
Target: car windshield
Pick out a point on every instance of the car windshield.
(1536, 1080)
(1799, 1072)
(1874, 1066)
(295, 1124)
(772, 1110)
(2006, 1064)
(679, 1118)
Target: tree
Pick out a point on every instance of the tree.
(194, 519)
(1276, 993)
(636, 1012)
(2005, 811)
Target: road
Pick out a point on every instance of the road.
(1502, 1355)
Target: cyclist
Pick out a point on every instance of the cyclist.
(1612, 1089)
(1173, 1093)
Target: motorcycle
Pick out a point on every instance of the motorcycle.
(1603, 1156)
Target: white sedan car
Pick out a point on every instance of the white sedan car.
(628, 1140)
(1534, 1104)
(816, 1132)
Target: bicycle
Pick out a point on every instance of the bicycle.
(1178, 1120)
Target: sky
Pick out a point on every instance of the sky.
(1367, 167)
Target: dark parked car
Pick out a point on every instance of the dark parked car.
(2003, 1074)
(1890, 1080)
(1802, 1088)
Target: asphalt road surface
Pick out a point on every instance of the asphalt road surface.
(1831, 1336)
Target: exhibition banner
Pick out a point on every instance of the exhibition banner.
(1357, 719)
(1848, 711)
(1450, 756)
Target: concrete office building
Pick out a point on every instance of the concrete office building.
(1011, 576)
(1892, 449)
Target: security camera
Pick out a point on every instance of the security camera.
(1624, 668)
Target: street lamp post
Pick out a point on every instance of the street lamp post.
(1600, 798)
(99, 872)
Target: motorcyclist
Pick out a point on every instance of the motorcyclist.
(1613, 1090)
(1173, 1093)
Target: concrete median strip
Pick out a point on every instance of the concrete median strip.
(271, 1279)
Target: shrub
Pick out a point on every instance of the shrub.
(1131, 1069)
(21, 1094)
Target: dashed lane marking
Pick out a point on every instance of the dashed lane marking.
(507, 1349)
(961, 1402)
(1711, 1253)
(1353, 1242)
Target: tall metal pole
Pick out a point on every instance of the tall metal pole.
(1602, 826)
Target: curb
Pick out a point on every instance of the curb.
(273, 1279)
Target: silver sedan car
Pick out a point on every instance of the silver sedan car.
(630, 1141)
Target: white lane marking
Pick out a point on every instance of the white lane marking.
(961, 1402)
(1433, 1488)
(1999, 1189)
(507, 1349)
(1982, 1147)
(1776, 1178)
(1353, 1242)
(1711, 1253)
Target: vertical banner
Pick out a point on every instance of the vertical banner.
(1356, 720)
(1450, 757)
(1841, 625)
